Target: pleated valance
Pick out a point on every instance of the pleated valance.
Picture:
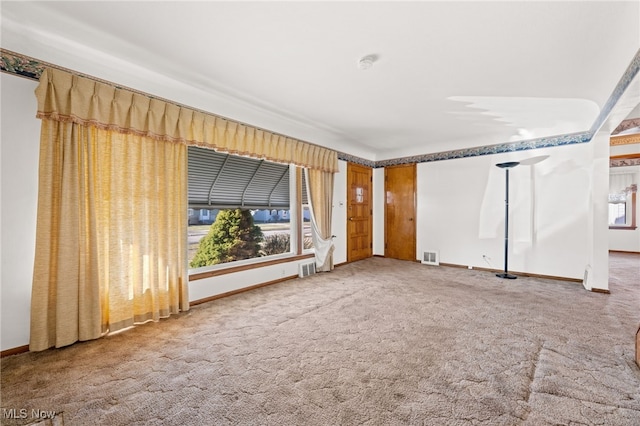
(63, 96)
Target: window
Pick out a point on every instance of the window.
(622, 200)
(617, 213)
(242, 208)
(622, 212)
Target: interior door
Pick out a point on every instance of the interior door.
(359, 212)
(400, 212)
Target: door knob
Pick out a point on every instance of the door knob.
(351, 218)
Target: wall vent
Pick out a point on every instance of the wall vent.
(430, 257)
(306, 269)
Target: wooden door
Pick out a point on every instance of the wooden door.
(359, 212)
(400, 212)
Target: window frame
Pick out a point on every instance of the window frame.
(296, 252)
(631, 206)
(632, 225)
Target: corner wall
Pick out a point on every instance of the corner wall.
(339, 217)
(378, 212)
(20, 137)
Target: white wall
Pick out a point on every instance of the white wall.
(19, 185)
(208, 287)
(378, 211)
(339, 218)
(461, 211)
(597, 269)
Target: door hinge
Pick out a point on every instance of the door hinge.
(370, 245)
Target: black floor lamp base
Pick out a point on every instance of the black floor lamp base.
(507, 276)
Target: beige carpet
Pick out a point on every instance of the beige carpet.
(377, 342)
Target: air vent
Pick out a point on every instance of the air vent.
(430, 257)
(306, 269)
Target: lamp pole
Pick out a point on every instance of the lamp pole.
(506, 167)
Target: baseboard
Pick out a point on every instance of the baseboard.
(601, 290)
(241, 290)
(622, 251)
(253, 287)
(522, 274)
(14, 351)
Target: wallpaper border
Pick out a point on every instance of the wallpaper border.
(25, 66)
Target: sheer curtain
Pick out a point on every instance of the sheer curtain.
(320, 191)
(620, 184)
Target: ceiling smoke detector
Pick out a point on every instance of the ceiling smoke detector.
(366, 62)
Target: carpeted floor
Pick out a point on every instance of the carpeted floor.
(376, 342)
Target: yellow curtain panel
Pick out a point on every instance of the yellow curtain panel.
(67, 97)
(111, 238)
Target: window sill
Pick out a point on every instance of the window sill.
(627, 228)
(193, 276)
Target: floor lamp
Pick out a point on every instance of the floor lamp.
(506, 167)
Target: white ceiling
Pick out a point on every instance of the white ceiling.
(447, 75)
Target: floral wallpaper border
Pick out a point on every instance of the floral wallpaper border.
(624, 162)
(357, 160)
(24, 66)
(626, 125)
(491, 149)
